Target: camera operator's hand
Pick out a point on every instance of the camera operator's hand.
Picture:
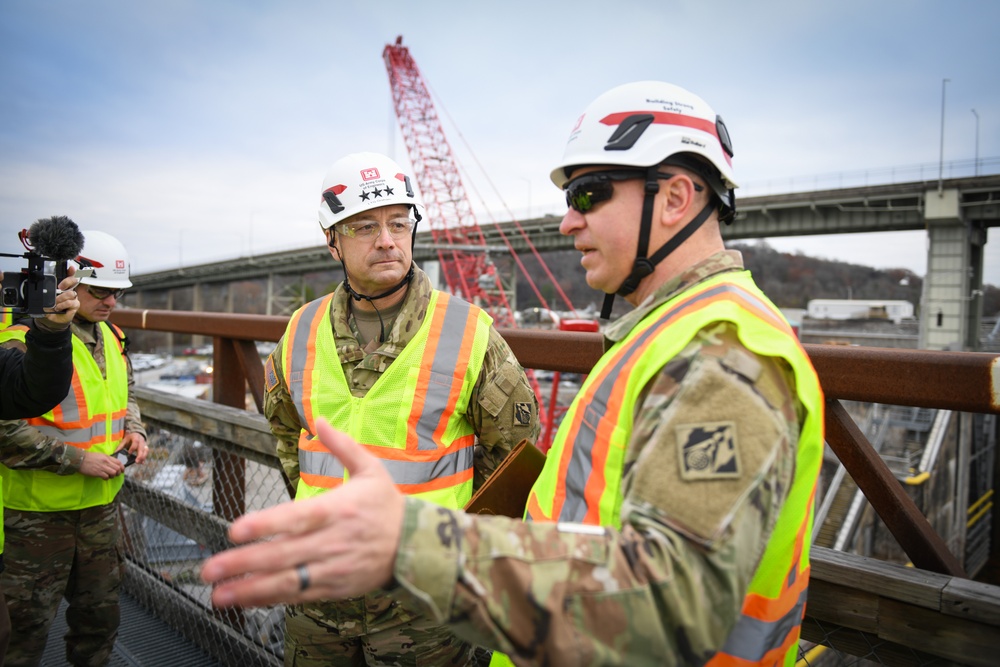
(66, 302)
(136, 444)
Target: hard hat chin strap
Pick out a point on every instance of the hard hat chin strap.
(643, 265)
(357, 296)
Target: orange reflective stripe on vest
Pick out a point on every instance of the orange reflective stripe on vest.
(300, 342)
(71, 422)
(412, 418)
(434, 402)
(767, 630)
(413, 472)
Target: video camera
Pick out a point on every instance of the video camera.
(49, 242)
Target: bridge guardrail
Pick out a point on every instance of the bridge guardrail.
(244, 474)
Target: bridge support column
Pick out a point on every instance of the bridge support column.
(270, 294)
(952, 294)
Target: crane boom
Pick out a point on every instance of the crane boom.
(449, 213)
(461, 246)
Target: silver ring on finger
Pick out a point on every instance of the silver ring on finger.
(303, 573)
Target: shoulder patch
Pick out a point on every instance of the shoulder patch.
(270, 377)
(707, 451)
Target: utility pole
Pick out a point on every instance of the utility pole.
(941, 159)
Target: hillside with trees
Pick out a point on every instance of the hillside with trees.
(790, 280)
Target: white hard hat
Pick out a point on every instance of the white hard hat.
(642, 124)
(361, 182)
(109, 259)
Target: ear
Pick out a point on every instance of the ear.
(678, 200)
(331, 241)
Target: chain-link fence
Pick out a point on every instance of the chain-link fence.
(847, 648)
(203, 470)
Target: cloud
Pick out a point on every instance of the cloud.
(199, 131)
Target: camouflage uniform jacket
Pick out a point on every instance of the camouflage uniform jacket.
(23, 446)
(665, 589)
(492, 412)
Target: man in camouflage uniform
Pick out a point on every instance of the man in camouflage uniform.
(60, 481)
(35, 381)
(671, 523)
(375, 315)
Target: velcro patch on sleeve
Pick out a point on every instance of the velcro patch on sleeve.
(496, 393)
(714, 443)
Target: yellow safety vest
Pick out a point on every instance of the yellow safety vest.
(6, 319)
(581, 481)
(91, 417)
(413, 417)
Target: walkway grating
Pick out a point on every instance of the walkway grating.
(143, 641)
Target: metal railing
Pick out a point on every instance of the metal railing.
(927, 172)
(236, 470)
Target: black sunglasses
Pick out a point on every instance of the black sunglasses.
(585, 192)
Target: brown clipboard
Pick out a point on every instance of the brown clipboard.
(505, 493)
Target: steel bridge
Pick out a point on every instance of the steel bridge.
(955, 214)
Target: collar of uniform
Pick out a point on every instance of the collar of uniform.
(88, 332)
(411, 314)
(720, 262)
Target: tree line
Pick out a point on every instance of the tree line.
(788, 279)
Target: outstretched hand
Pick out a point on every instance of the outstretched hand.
(346, 538)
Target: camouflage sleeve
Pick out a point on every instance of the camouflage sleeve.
(133, 419)
(503, 409)
(671, 582)
(281, 415)
(23, 446)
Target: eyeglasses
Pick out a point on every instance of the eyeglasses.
(587, 191)
(371, 230)
(102, 293)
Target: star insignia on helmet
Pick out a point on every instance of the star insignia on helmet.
(364, 195)
(388, 192)
(378, 193)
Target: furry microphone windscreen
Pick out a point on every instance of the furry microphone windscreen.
(56, 238)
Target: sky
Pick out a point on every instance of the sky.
(200, 131)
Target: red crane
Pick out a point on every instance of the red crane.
(461, 244)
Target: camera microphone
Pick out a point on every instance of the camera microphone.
(56, 238)
(31, 291)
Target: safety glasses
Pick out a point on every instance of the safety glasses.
(585, 192)
(102, 293)
(370, 229)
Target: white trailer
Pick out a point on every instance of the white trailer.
(859, 309)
